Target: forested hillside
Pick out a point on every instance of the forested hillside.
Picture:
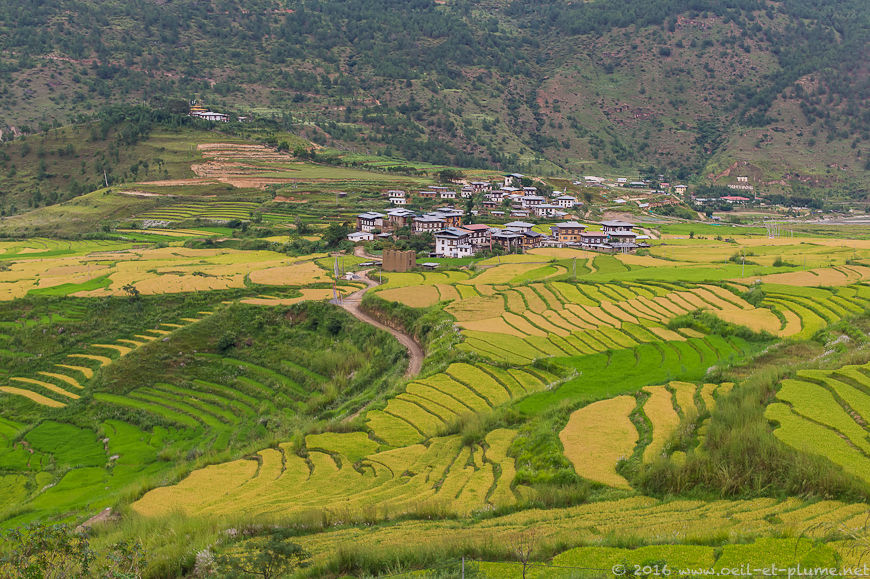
(685, 87)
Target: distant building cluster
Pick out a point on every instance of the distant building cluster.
(201, 112)
(455, 239)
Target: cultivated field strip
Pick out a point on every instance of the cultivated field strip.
(642, 517)
(521, 324)
(248, 389)
(429, 405)
(64, 383)
(602, 433)
(210, 210)
(443, 475)
(826, 412)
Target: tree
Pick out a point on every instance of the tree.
(41, 550)
(449, 175)
(131, 291)
(335, 234)
(302, 228)
(273, 556)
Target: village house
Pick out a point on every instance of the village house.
(397, 197)
(680, 189)
(428, 194)
(519, 226)
(565, 201)
(497, 213)
(447, 194)
(481, 236)
(451, 216)
(531, 200)
(532, 239)
(453, 242)
(616, 226)
(592, 239)
(512, 179)
(201, 113)
(530, 191)
(568, 232)
(399, 218)
(520, 213)
(488, 206)
(369, 221)
(428, 223)
(360, 236)
(547, 210)
(480, 186)
(735, 199)
(467, 192)
(621, 237)
(510, 241)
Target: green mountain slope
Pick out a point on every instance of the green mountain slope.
(687, 87)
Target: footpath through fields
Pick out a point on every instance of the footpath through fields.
(351, 303)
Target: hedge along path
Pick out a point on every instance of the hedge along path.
(430, 404)
(445, 474)
(597, 436)
(40, 390)
(665, 420)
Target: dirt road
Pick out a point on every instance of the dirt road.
(351, 303)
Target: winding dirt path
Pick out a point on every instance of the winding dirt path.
(351, 304)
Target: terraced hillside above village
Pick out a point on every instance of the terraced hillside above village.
(694, 89)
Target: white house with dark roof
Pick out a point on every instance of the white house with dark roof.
(616, 225)
(481, 235)
(565, 201)
(369, 221)
(453, 242)
(529, 201)
(429, 223)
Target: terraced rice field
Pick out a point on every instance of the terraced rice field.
(825, 412)
(598, 436)
(106, 272)
(219, 211)
(643, 518)
(58, 385)
(601, 434)
(565, 319)
(627, 370)
(429, 405)
(444, 475)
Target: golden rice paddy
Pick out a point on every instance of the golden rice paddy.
(598, 436)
